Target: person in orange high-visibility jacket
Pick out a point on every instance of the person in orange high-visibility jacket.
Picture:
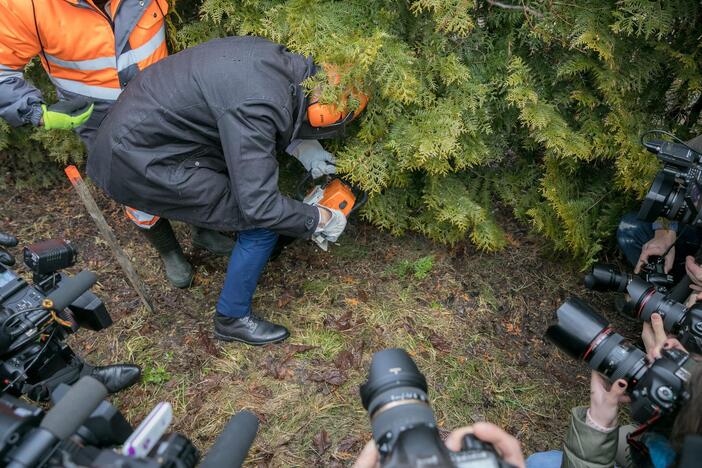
(91, 49)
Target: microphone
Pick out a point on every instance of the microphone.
(233, 444)
(69, 290)
(62, 421)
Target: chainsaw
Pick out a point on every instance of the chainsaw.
(333, 193)
(330, 191)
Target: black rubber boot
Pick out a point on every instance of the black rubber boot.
(178, 270)
(250, 329)
(213, 241)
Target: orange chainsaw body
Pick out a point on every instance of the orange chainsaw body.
(338, 196)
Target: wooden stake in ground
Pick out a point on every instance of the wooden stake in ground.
(107, 233)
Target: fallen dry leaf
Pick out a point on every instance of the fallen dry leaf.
(341, 323)
(321, 442)
(207, 342)
(330, 376)
(439, 342)
(284, 299)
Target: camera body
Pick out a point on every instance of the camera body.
(403, 423)
(32, 333)
(656, 390)
(676, 191)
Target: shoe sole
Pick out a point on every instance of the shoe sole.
(182, 285)
(250, 343)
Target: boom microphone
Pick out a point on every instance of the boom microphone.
(70, 289)
(232, 446)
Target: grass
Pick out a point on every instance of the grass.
(472, 321)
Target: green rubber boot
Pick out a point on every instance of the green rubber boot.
(178, 270)
(213, 241)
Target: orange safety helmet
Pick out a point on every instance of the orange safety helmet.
(326, 120)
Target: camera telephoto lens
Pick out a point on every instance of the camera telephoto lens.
(584, 334)
(395, 396)
(605, 277)
(646, 300)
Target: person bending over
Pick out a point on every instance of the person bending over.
(194, 138)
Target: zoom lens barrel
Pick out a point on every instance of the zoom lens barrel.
(605, 277)
(395, 396)
(657, 201)
(584, 334)
(647, 300)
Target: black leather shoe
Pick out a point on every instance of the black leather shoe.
(249, 329)
(213, 241)
(116, 377)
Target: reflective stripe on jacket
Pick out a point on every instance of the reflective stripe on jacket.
(84, 50)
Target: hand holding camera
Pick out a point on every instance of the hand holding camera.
(656, 388)
(506, 445)
(605, 399)
(662, 244)
(404, 428)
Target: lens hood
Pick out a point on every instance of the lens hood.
(654, 203)
(391, 368)
(577, 325)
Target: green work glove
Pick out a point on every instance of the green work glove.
(66, 115)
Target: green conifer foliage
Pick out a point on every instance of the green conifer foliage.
(536, 105)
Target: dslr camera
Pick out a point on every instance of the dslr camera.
(676, 190)
(607, 277)
(84, 430)
(656, 389)
(403, 423)
(36, 318)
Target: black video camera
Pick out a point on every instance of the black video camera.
(403, 423)
(656, 389)
(84, 430)
(36, 318)
(676, 191)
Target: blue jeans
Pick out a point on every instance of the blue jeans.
(249, 257)
(550, 459)
(633, 233)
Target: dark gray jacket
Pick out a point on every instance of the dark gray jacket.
(194, 137)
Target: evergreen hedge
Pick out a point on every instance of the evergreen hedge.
(535, 105)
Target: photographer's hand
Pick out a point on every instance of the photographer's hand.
(670, 343)
(653, 334)
(694, 272)
(7, 240)
(605, 401)
(506, 445)
(369, 457)
(661, 242)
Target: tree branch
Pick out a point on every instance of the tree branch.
(508, 6)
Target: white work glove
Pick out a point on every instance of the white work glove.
(331, 230)
(316, 159)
